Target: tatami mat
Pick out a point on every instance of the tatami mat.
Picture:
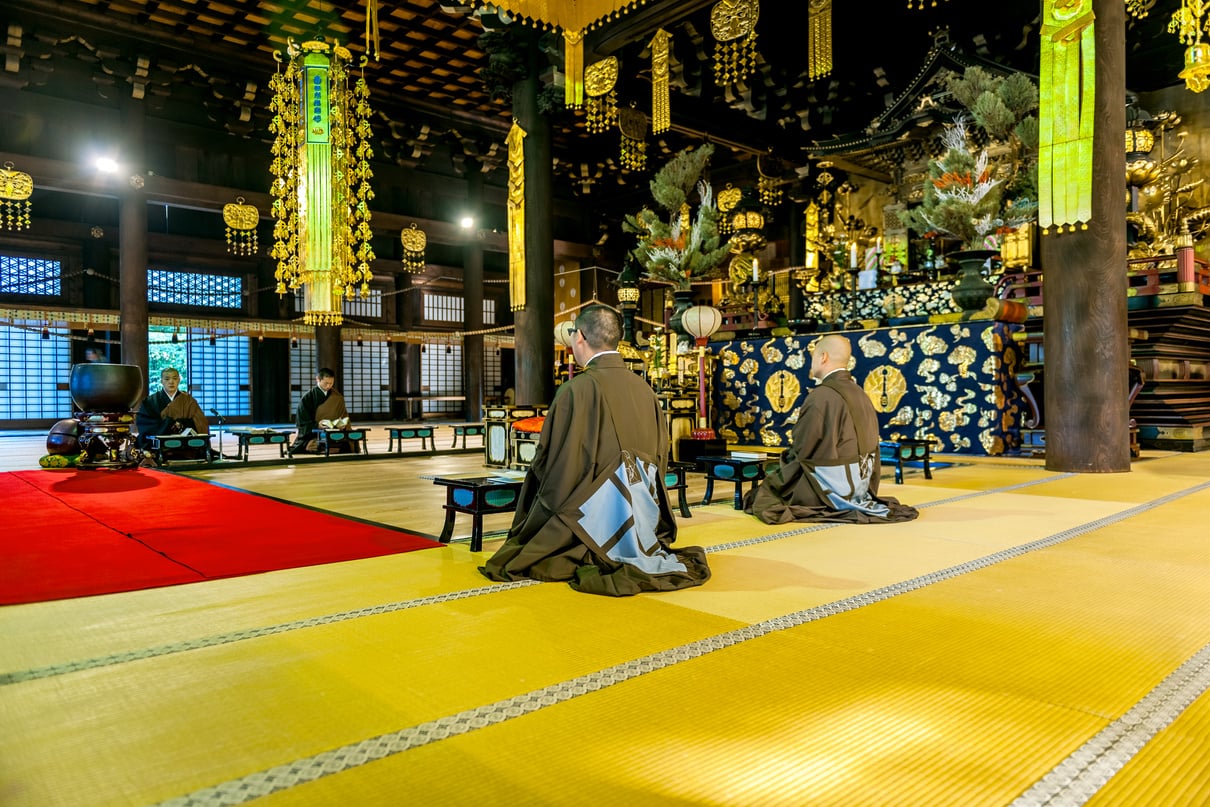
(956, 659)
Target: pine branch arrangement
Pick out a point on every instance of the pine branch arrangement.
(678, 248)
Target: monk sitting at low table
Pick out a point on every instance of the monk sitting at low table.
(322, 404)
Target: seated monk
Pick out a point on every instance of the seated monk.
(321, 405)
(832, 468)
(593, 510)
(169, 411)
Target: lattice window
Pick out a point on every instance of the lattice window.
(369, 307)
(441, 374)
(491, 372)
(304, 361)
(489, 312)
(20, 275)
(444, 308)
(367, 378)
(194, 289)
(34, 373)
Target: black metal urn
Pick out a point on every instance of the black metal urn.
(102, 387)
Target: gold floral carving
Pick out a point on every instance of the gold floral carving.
(782, 391)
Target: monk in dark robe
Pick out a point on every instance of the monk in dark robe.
(831, 470)
(593, 510)
(169, 411)
(321, 403)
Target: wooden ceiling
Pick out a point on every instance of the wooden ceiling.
(211, 59)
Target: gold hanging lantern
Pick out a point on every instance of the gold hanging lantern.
(321, 178)
(600, 83)
(1187, 24)
(15, 190)
(414, 241)
(727, 199)
(241, 221)
(633, 125)
(661, 113)
(819, 38)
(733, 23)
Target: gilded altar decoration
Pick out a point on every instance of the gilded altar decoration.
(782, 390)
(927, 370)
(962, 357)
(1065, 123)
(15, 190)
(516, 217)
(733, 23)
(885, 386)
(600, 85)
(769, 184)
(930, 343)
(796, 361)
(727, 199)
(749, 367)
(902, 354)
(321, 187)
(771, 353)
(413, 240)
(1188, 24)
(661, 110)
(819, 38)
(241, 221)
(870, 346)
(632, 123)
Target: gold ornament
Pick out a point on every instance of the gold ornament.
(661, 115)
(321, 178)
(727, 199)
(516, 217)
(600, 83)
(241, 221)
(15, 190)
(782, 390)
(573, 68)
(768, 185)
(733, 23)
(633, 125)
(1067, 86)
(885, 386)
(1188, 25)
(414, 241)
(819, 38)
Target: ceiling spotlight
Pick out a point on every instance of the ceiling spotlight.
(467, 222)
(107, 165)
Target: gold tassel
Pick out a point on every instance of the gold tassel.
(1066, 128)
(727, 199)
(633, 125)
(661, 115)
(241, 221)
(516, 217)
(733, 23)
(372, 29)
(601, 107)
(573, 68)
(414, 241)
(819, 38)
(15, 190)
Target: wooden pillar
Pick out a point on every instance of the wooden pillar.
(535, 338)
(472, 285)
(132, 243)
(329, 352)
(1084, 341)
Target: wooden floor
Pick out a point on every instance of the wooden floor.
(1034, 638)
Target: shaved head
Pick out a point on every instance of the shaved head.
(832, 352)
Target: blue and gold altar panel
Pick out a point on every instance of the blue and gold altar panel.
(954, 385)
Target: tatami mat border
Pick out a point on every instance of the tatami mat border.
(403, 605)
(283, 777)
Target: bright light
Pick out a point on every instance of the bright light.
(467, 222)
(107, 165)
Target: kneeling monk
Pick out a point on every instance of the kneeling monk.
(831, 470)
(593, 510)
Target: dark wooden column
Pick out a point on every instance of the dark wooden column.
(535, 337)
(329, 352)
(1084, 340)
(472, 285)
(132, 243)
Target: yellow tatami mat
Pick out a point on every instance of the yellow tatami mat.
(958, 659)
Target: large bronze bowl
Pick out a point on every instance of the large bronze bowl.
(106, 387)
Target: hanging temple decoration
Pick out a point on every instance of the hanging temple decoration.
(726, 200)
(1066, 92)
(241, 221)
(600, 85)
(819, 38)
(414, 241)
(661, 111)
(516, 217)
(15, 190)
(733, 23)
(1187, 24)
(321, 178)
(633, 125)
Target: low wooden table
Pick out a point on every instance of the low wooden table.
(260, 437)
(326, 438)
(464, 429)
(401, 433)
(160, 443)
(674, 479)
(731, 469)
(896, 452)
(478, 496)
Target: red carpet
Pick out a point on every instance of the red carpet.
(79, 533)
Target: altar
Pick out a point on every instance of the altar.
(953, 385)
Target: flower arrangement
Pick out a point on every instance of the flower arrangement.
(683, 247)
(971, 196)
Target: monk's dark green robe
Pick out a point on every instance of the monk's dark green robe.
(831, 470)
(593, 509)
